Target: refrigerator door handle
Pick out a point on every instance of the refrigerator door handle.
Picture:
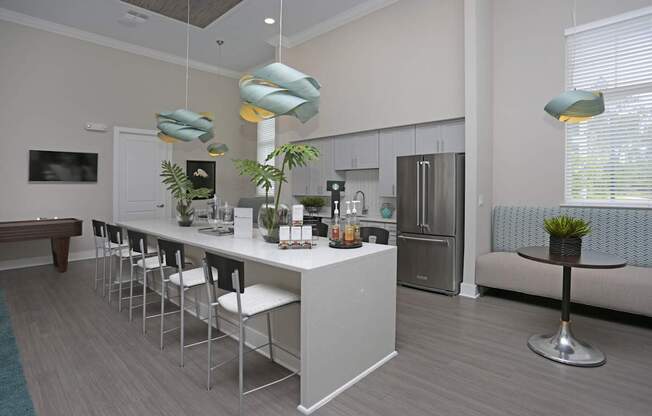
(424, 197)
(418, 194)
(428, 240)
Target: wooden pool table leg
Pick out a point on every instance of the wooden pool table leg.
(60, 247)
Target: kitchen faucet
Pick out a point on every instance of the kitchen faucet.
(365, 210)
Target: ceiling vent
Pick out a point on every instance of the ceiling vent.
(202, 12)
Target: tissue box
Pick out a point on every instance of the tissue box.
(243, 222)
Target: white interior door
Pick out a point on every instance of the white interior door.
(137, 189)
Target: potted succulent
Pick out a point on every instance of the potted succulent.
(273, 215)
(183, 191)
(312, 203)
(566, 234)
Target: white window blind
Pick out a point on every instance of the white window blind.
(265, 144)
(609, 157)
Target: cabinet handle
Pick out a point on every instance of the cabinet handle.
(393, 190)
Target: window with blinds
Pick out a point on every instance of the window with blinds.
(609, 157)
(265, 144)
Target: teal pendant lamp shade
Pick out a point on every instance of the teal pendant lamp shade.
(217, 149)
(185, 125)
(277, 90)
(576, 105)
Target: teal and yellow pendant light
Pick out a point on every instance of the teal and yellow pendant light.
(576, 105)
(185, 125)
(217, 149)
(277, 90)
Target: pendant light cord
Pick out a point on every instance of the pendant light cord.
(187, 53)
(280, 33)
(572, 54)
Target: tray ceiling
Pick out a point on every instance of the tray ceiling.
(202, 12)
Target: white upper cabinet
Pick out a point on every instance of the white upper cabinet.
(393, 143)
(356, 151)
(440, 137)
(311, 180)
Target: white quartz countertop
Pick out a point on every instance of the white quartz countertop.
(368, 218)
(255, 249)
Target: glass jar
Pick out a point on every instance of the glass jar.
(270, 219)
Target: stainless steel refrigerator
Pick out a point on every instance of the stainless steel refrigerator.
(430, 220)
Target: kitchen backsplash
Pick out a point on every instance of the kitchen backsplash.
(367, 182)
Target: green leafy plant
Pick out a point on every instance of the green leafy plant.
(312, 201)
(564, 226)
(292, 155)
(181, 187)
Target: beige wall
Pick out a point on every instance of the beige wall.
(51, 85)
(403, 64)
(529, 62)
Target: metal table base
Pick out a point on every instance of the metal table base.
(564, 348)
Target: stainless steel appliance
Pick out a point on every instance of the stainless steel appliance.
(430, 220)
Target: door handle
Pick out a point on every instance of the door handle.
(418, 194)
(160, 205)
(424, 195)
(428, 240)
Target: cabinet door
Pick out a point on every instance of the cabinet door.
(343, 152)
(391, 144)
(322, 170)
(453, 136)
(301, 179)
(365, 150)
(428, 138)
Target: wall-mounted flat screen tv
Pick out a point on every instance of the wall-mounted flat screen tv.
(48, 166)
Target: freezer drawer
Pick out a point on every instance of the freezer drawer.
(427, 262)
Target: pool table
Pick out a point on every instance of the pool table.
(58, 231)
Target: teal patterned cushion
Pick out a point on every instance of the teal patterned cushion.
(620, 231)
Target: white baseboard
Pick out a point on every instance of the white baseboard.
(43, 260)
(469, 290)
(314, 407)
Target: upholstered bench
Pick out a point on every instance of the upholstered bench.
(624, 232)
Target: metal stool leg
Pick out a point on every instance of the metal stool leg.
(210, 345)
(131, 290)
(269, 336)
(120, 286)
(111, 260)
(182, 329)
(144, 297)
(97, 267)
(163, 285)
(241, 365)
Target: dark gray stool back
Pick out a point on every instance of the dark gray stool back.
(167, 253)
(137, 242)
(322, 229)
(115, 234)
(225, 268)
(99, 228)
(382, 235)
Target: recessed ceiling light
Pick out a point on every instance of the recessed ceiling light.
(269, 21)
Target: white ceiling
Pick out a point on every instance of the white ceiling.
(245, 34)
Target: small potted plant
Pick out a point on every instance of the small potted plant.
(566, 234)
(312, 203)
(183, 191)
(271, 216)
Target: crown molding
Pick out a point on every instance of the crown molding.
(361, 10)
(36, 23)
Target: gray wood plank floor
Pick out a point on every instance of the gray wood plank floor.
(456, 357)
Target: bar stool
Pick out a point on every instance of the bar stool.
(184, 280)
(148, 262)
(247, 303)
(99, 234)
(119, 249)
(381, 235)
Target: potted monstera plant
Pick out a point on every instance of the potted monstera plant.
(183, 191)
(566, 234)
(272, 215)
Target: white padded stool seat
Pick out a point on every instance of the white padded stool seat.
(258, 298)
(150, 262)
(191, 278)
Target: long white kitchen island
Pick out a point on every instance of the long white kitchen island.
(348, 302)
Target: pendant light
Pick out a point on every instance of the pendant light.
(217, 149)
(185, 125)
(277, 90)
(575, 105)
